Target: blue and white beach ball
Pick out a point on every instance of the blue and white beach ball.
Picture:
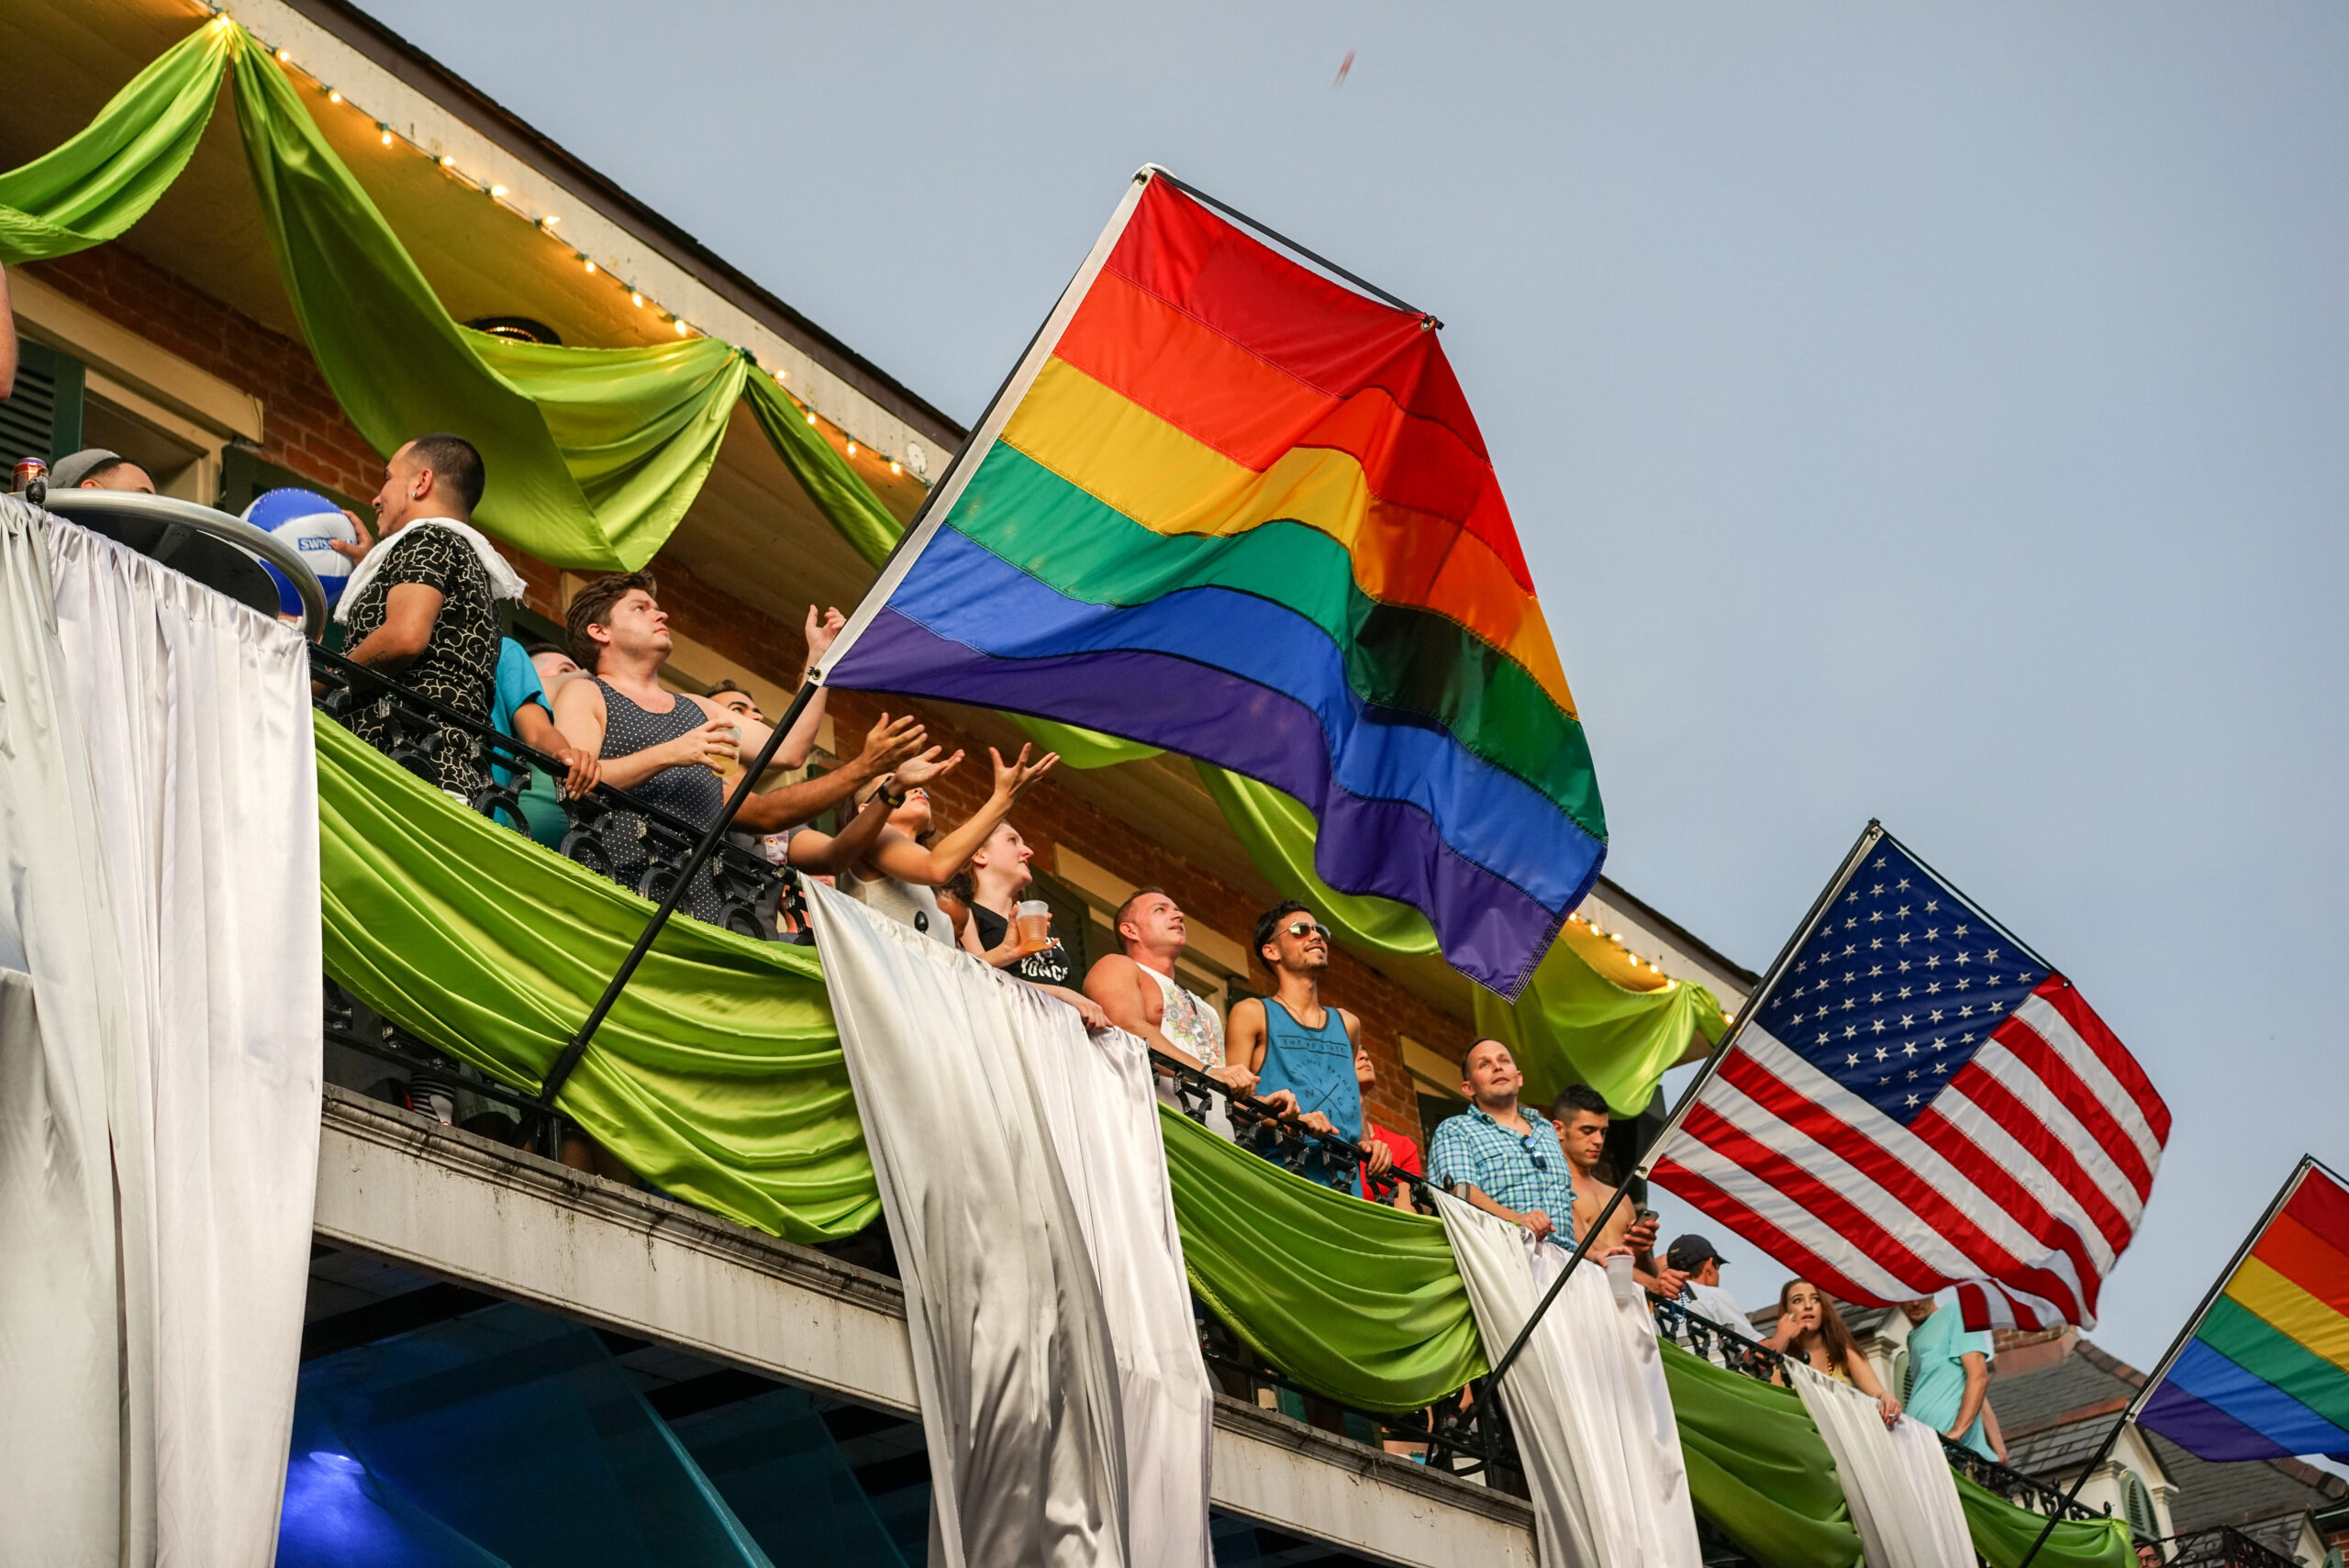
(308, 521)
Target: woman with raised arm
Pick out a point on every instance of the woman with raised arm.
(1812, 1330)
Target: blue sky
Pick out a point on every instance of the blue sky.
(1937, 414)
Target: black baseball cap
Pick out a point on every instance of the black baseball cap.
(1689, 1254)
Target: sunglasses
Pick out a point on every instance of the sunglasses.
(1304, 928)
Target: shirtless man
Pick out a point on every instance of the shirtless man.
(1138, 989)
(1583, 1134)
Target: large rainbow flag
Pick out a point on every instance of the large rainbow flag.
(1229, 507)
(2266, 1372)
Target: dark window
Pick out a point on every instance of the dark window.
(42, 418)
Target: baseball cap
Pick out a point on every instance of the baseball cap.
(1689, 1254)
(74, 467)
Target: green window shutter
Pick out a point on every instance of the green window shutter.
(42, 418)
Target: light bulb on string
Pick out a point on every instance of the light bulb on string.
(636, 298)
(386, 131)
(284, 57)
(333, 96)
(497, 191)
(894, 468)
(591, 266)
(851, 449)
(445, 160)
(681, 325)
(811, 416)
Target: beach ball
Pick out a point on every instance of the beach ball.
(309, 522)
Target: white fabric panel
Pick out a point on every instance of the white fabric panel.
(1903, 1501)
(1050, 1375)
(196, 711)
(77, 1435)
(1586, 1400)
(1113, 1159)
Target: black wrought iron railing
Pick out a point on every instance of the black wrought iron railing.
(751, 894)
(1466, 1433)
(2222, 1546)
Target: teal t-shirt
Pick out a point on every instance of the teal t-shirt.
(1937, 1378)
(1317, 1066)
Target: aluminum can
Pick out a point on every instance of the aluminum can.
(29, 469)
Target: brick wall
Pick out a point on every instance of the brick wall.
(303, 430)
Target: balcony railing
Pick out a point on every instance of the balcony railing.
(1465, 1434)
(2223, 1547)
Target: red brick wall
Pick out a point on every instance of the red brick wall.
(303, 430)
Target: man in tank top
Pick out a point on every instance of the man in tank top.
(1138, 989)
(669, 749)
(1292, 1041)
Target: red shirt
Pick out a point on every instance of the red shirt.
(1406, 1160)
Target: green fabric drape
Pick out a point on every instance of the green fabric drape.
(1757, 1467)
(2003, 1533)
(104, 179)
(1354, 1300)
(718, 1075)
(593, 454)
(848, 502)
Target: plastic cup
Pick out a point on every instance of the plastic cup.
(1034, 921)
(1619, 1277)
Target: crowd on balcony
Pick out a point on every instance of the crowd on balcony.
(1286, 1073)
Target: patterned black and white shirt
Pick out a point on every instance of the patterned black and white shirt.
(459, 664)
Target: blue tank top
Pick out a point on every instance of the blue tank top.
(1316, 1065)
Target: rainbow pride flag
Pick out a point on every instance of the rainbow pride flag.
(2266, 1373)
(1231, 509)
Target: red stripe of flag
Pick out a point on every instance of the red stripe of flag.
(1906, 1183)
(1944, 1137)
(2034, 1051)
(2066, 999)
(2039, 1140)
(1782, 1248)
(1822, 1202)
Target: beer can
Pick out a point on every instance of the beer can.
(29, 469)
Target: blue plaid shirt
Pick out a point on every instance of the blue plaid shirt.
(1519, 1171)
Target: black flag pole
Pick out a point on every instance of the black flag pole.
(1687, 1101)
(2177, 1346)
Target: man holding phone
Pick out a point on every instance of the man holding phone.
(1583, 1118)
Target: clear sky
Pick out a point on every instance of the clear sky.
(1938, 413)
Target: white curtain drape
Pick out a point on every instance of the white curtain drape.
(1586, 1401)
(180, 791)
(1063, 1398)
(76, 1399)
(1903, 1499)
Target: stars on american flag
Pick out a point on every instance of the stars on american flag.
(1846, 1008)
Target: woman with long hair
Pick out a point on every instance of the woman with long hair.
(1812, 1330)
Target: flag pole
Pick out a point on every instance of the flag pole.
(2177, 1348)
(918, 533)
(1687, 1101)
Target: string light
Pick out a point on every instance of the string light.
(546, 223)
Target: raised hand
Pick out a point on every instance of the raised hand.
(913, 773)
(711, 744)
(888, 743)
(821, 630)
(1012, 777)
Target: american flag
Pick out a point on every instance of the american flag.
(1920, 1102)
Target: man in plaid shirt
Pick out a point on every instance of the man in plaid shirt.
(1498, 1157)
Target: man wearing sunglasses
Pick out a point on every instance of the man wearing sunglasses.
(1499, 1158)
(1293, 1042)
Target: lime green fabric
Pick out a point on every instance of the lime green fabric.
(96, 185)
(717, 1076)
(1358, 1301)
(2003, 1533)
(849, 504)
(1758, 1470)
(593, 454)
(1573, 1024)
